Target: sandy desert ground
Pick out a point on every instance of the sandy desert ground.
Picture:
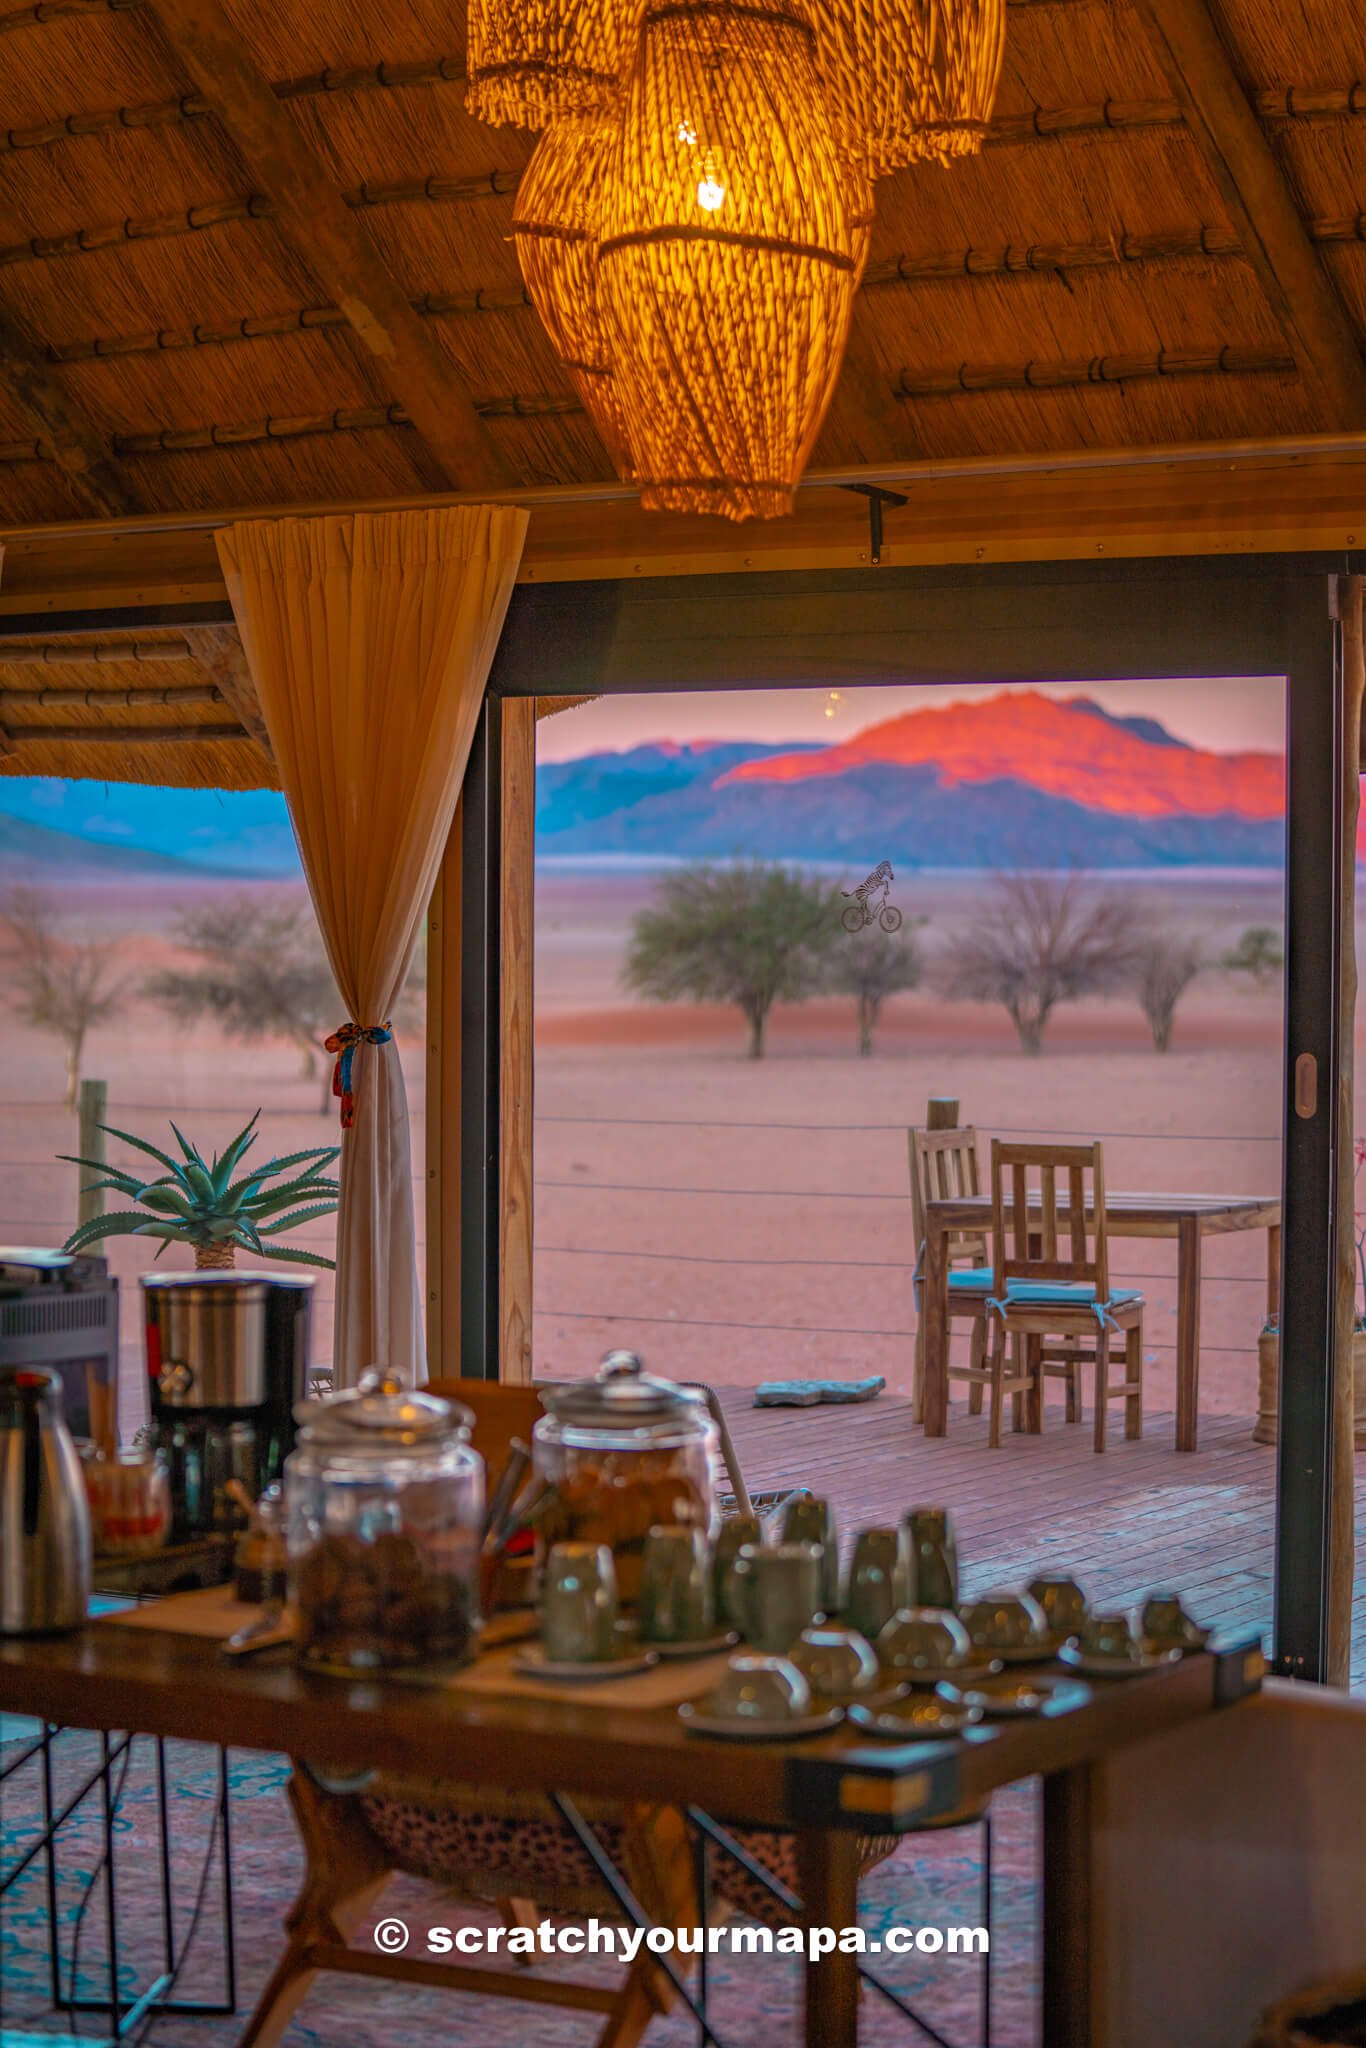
(739, 1220)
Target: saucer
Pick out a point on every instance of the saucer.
(630, 1659)
(1007, 1698)
(1077, 1659)
(1020, 1653)
(954, 1674)
(1157, 1646)
(732, 1729)
(929, 1720)
(707, 1646)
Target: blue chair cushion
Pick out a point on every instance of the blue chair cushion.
(1064, 1293)
(974, 1278)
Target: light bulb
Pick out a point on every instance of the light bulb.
(710, 193)
(687, 134)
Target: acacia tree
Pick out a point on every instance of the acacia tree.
(262, 973)
(1166, 965)
(1258, 953)
(1043, 940)
(65, 986)
(753, 934)
(870, 966)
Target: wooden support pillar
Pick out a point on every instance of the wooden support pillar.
(941, 1113)
(92, 1108)
(517, 936)
(1314, 1548)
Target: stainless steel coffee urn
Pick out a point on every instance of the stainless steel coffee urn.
(227, 1357)
(44, 1514)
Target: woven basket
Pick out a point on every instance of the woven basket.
(910, 79)
(531, 61)
(555, 226)
(728, 258)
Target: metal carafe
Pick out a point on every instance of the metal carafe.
(45, 1549)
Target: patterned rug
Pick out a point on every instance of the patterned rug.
(755, 2000)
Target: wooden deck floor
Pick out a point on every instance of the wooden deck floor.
(1139, 1516)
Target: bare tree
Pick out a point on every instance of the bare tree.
(262, 973)
(62, 985)
(1258, 953)
(870, 966)
(1167, 964)
(1044, 940)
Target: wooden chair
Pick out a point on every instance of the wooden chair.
(943, 1165)
(1063, 1306)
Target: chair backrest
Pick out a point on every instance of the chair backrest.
(500, 1413)
(1042, 1197)
(944, 1165)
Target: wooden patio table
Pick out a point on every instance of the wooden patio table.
(1190, 1219)
(828, 1791)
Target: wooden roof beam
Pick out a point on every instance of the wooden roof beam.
(76, 447)
(1261, 205)
(333, 242)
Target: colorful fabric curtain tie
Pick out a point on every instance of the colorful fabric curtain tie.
(343, 1043)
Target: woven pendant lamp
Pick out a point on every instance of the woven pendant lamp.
(728, 258)
(555, 225)
(531, 61)
(909, 80)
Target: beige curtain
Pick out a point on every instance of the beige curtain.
(369, 637)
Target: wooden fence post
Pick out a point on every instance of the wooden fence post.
(92, 1108)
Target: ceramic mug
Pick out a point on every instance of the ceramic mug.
(878, 1580)
(779, 1592)
(932, 1565)
(1064, 1605)
(1167, 1624)
(727, 1591)
(675, 1586)
(579, 1604)
(1006, 1622)
(1112, 1636)
(837, 1663)
(760, 1688)
(919, 1643)
(809, 1519)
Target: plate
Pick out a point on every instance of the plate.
(532, 1663)
(1007, 1698)
(1116, 1667)
(697, 1722)
(955, 1674)
(709, 1646)
(1024, 1653)
(929, 1720)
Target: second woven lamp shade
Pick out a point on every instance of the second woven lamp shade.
(909, 79)
(555, 224)
(728, 256)
(532, 61)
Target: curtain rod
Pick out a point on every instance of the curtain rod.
(961, 469)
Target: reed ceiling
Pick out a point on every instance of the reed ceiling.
(171, 338)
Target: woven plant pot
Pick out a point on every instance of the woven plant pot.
(215, 1258)
(532, 61)
(728, 259)
(555, 226)
(909, 79)
(1266, 1428)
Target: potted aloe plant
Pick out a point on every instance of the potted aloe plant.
(200, 1204)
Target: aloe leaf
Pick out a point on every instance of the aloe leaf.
(141, 1145)
(165, 1203)
(115, 1223)
(296, 1258)
(296, 1217)
(293, 1191)
(98, 1166)
(171, 1233)
(324, 1154)
(186, 1147)
(227, 1165)
(205, 1193)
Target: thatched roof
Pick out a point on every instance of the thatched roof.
(1112, 272)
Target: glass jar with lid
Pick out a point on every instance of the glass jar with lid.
(623, 1452)
(384, 1506)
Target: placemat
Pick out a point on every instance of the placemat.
(210, 1611)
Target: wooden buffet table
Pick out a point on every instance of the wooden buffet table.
(1190, 1219)
(827, 1791)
